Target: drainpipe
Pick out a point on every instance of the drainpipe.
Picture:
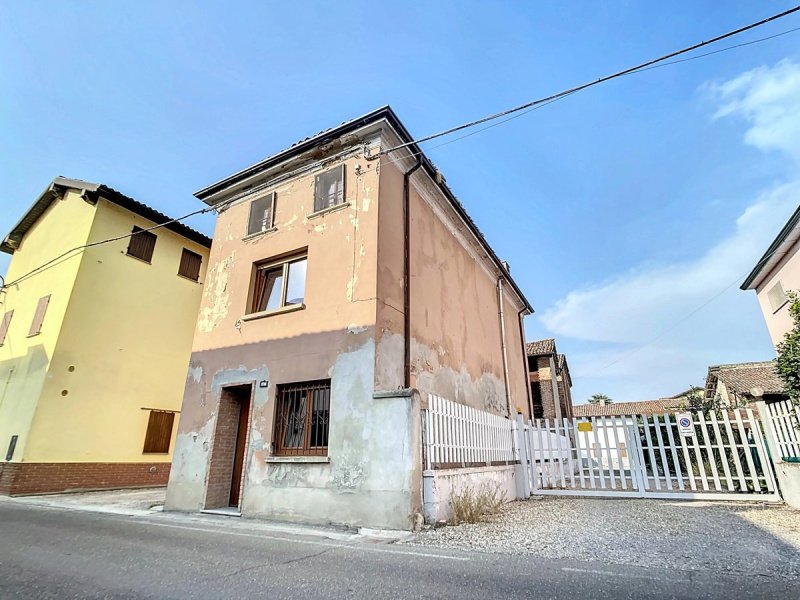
(521, 317)
(407, 273)
(501, 302)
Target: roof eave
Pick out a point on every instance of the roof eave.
(753, 279)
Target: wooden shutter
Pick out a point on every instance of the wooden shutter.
(5, 325)
(329, 188)
(260, 214)
(190, 265)
(142, 244)
(159, 432)
(38, 317)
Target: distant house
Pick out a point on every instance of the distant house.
(740, 383)
(659, 407)
(550, 381)
(94, 346)
(777, 272)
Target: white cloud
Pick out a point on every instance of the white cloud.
(637, 335)
(768, 98)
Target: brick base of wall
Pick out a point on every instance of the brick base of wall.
(19, 479)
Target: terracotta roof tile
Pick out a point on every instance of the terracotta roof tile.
(667, 405)
(743, 377)
(541, 347)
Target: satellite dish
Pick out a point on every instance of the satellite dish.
(757, 392)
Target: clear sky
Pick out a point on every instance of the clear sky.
(621, 209)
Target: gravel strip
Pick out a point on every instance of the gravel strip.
(744, 538)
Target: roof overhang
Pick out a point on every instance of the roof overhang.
(336, 137)
(788, 237)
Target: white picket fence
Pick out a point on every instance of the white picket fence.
(646, 455)
(461, 436)
(785, 419)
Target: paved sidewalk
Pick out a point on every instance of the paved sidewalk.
(120, 502)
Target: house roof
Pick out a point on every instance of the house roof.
(91, 192)
(541, 347)
(741, 378)
(776, 251)
(616, 409)
(333, 134)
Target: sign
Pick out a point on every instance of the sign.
(584, 426)
(685, 424)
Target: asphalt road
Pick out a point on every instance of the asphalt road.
(55, 553)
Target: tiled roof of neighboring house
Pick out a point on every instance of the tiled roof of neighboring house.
(562, 362)
(348, 127)
(541, 347)
(93, 190)
(743, 377)
(667, 405)
(776, 251)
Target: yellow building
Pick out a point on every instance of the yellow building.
(94, 344)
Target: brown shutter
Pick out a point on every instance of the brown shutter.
(5, 325)
(38, 318)
(142, 244)
(190, 265)
(260, 214)
(159, 432)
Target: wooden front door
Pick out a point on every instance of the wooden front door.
(239, 454)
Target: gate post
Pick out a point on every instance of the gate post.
(521, 468)
(786, 474)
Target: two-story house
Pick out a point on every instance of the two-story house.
(95, 339)
(777, 272)
(550, 381)
(341, 283)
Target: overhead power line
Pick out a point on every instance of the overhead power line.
(553, 97)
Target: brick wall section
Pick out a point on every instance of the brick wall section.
(223, 447)
(19, 479)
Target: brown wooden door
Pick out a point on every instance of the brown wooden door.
(238, 457)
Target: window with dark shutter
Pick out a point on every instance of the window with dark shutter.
(329, 189)
(303, 417)
(159, 432)
(262, 211)
(4, 325)
(38, 317)
(190, 265)
(142, 244)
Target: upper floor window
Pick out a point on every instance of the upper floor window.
(142, 244)
(190, 265)
(329, 188)
(38, 317)
(777, 297)
(279, 284)
(4, 325)
(262, 214)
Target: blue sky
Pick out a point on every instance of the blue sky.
(621, 209)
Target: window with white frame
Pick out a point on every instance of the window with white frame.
(262, 214)
(279, 284)
(329, 188)
(777, 297)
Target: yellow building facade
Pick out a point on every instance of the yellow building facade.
(95, 345)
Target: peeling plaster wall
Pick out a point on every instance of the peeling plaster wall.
(373, 477)
(455, 327)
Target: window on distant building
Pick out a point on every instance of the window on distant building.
(302, 419)
(262, 214)
(142, 244)
(329, 189)
(536, 396)
(777, 297)
(190, 265)
(159, 432)
(4, 325)
(279, 284)
(38, 317)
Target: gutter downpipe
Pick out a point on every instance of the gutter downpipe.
(521, 318)
(501, 302)
(407, 273)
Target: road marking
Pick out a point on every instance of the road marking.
(311, 542)
(609, 573)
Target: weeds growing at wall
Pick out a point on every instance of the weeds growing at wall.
(473, 506)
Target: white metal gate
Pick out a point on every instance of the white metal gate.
(646, 455)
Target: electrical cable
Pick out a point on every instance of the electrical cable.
(556, 96)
